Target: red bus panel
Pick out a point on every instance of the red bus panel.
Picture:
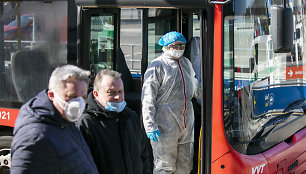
(8, 116)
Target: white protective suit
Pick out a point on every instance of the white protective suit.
(168, 88)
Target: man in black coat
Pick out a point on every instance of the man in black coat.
(46, 140)
(113, 131)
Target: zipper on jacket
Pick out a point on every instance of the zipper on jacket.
(178, 62)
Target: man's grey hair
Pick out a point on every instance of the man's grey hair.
(105, 72)
(60, 75)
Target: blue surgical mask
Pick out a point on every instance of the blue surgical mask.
(115, 106)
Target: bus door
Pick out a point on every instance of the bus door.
(123, 39)
(126, 40)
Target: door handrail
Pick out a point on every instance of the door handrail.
(219, 2)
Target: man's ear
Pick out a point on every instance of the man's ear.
(95, 94)
(51, 95)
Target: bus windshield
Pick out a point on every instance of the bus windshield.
(264, 92)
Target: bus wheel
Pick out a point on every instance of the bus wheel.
(5, 154)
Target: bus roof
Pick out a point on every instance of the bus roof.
(145, 3)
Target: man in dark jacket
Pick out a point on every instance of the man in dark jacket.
(46, 139)
(112, 131)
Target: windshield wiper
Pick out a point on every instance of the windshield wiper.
(296, 104)
(278, 119)
(274, 123)
(269, 127)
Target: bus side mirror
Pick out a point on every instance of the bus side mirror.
(282, 29)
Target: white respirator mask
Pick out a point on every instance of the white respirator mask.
(174, 53)
(73, 108)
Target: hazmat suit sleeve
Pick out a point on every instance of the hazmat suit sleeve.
(152, 82)
(197, 87)
(198, 90)
(195, 59)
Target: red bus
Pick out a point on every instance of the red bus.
(250, 64)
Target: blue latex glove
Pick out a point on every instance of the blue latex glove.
(153, 135)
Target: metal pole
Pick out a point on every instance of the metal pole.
(132, 56)
(18, 27)
(207, 42)
(144, 60)
(33, 28)
(2, 59)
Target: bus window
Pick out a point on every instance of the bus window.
(263, 90)
(101, 40)
(130, 39)
(29, 40)
(196, 25)
(161, 21)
